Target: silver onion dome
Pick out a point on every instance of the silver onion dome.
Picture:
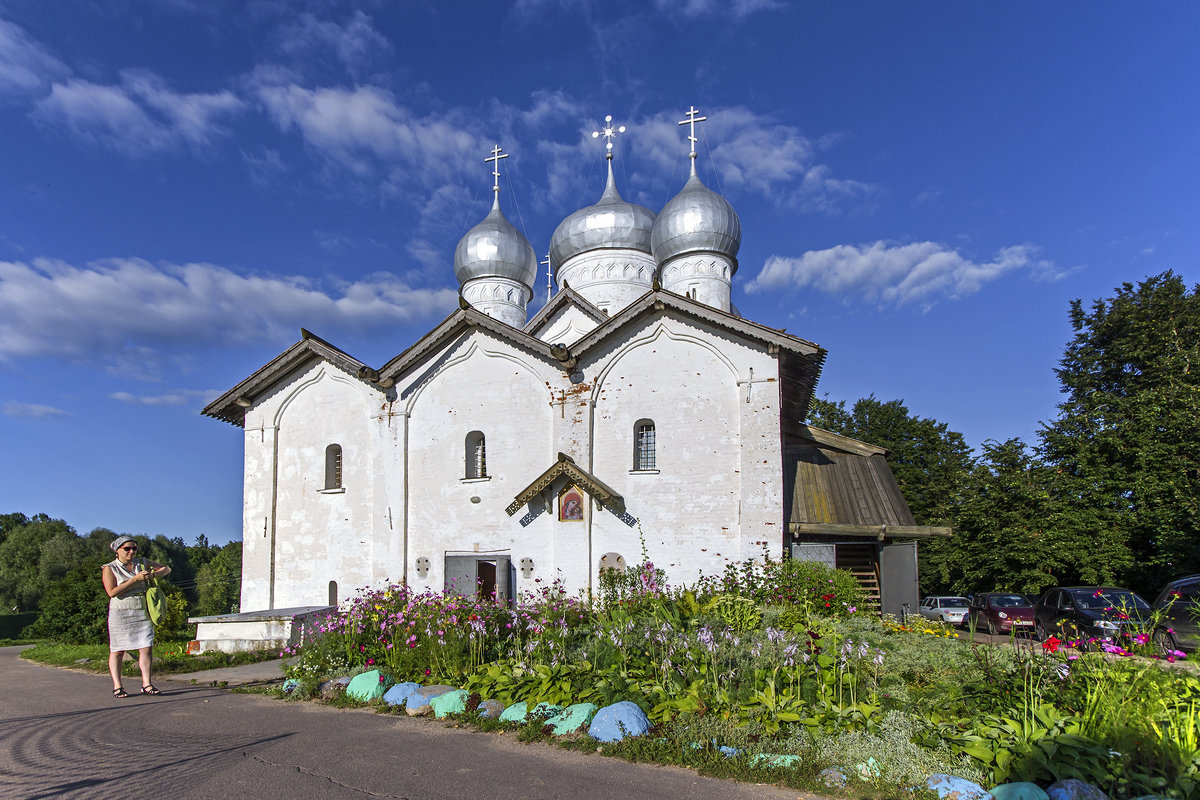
(696, 220)
(494, 248)
(610, 223)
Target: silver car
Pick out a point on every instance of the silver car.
(945, 609)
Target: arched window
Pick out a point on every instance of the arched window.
(476, 457)
(333, 593)
(643, 445)
(333, 466)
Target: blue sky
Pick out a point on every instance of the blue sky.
(923, 188)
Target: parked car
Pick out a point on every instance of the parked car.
(945, 609)
(1087, 612)
(1176, 612)
(1000, 612)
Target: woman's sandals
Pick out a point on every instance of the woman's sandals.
(150, 690)
(120, 693)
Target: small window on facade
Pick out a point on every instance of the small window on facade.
(476, 458)
(333, 466)
(644, 445)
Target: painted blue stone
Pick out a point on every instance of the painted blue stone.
(573, 718)
(450, 703)
(949, 787)
(613, 723)
(398, 695)
(491, 709)
(1074, 789)
(515, 713)
(1022, 790)
(424, 694)
(728, 752)
(367, 686)
(774, 761)
(289, 685)
(833, 778)
(546, 710)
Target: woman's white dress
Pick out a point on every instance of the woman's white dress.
(129, 625)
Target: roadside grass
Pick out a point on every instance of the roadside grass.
(170, 658)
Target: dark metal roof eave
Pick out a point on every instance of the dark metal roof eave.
(453, 325)
(650, 302)
(309, 347)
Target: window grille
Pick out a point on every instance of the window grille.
(476, 456)
(333, 466)
(644, 456)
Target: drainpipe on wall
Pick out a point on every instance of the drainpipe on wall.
(404, 506)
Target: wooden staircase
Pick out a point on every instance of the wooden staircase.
(860, 559)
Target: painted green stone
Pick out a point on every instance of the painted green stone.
(450, 703)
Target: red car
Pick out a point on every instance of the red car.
(1000, 612)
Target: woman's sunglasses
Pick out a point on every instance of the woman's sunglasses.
(131, 548)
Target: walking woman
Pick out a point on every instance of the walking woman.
(129, 625)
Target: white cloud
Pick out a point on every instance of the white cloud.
(693, 9)
(181, 397)
(752, 153)
(122, 311)
(139, 115)
(889, 274)
(26, 68)
(366, 127)
(356, 44)
(12, 409)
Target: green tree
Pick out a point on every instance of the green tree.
(74, 608)
(218, 583)
(1124, 448)
(22, 575)
(931, 462)
(1005, 538)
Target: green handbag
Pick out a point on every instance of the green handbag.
(156, 602)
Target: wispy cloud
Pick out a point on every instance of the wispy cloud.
(181, 397)
(695, 9)
(123, 310)
(889, 274)
(366, 128)
(355, 43)
(26, 67)
(139, 115)
(13, 409)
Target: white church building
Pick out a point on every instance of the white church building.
(501, 450)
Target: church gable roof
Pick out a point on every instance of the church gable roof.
(800, 361)
(559, 305)
(451, 328)
(232, 405)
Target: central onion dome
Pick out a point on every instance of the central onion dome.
(495, 249)
(611, 223)
(696, 220)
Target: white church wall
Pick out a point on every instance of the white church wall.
(481, 385)
(696, 510)
(318, 535)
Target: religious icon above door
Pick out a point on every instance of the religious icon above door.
(570, 505)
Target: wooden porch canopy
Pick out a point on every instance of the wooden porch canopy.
(843, 487)
(601, 492)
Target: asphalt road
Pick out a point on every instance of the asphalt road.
(63, 735)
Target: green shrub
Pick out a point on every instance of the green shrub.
(74, 610)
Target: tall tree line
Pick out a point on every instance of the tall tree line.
(46, 567)
(1110, 491)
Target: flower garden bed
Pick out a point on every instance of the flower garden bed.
(772, 672)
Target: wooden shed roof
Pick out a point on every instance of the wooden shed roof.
(841, 486)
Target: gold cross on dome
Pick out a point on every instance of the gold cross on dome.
(495, 158)
(691, 120)
(608, 132)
